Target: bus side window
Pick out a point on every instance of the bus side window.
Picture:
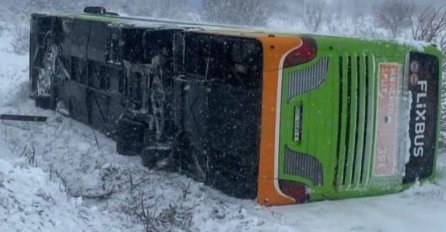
(136, 90)
(79, 70)
(130, 45)
(198, 55)
(112, 55)
(94, 75)
(97, 42)
(104, 78)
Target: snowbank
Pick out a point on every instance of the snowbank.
(31, 200)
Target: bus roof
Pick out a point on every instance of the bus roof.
(224, 29)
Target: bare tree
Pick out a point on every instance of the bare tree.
(312, 13)
(246, 12)
(20, 44)
(394, 15)
(173, 9)
(430, 26)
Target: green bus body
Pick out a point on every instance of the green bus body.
(347, 170)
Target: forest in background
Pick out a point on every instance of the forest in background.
(390, 18)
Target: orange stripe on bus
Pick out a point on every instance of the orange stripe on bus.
(274, 48)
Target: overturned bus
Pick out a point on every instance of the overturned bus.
(278, 117)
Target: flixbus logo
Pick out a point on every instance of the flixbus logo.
(420, 119)
(420, 108)
(387, 114)
(423, 78)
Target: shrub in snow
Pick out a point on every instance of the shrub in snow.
(20, 42)
(177, 216)
(29, 152)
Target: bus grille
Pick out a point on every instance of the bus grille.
(303, 165)
(305, 80)
(357, 91)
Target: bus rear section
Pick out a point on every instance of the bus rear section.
(356, 118)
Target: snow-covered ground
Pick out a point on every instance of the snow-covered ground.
(63, 176)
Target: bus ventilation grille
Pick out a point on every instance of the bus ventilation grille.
(357, 93)
(303, 165)
(307, 79)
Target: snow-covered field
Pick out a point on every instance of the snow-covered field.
(63, 176)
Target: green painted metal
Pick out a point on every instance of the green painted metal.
(328, 107)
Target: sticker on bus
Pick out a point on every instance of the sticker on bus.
(387, 114)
